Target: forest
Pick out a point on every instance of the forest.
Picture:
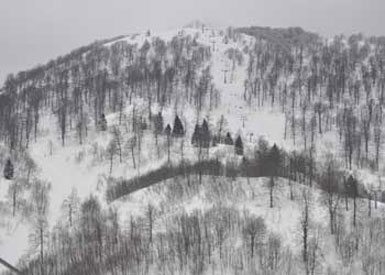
(184, 183)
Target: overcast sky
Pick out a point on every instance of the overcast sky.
(34, 31)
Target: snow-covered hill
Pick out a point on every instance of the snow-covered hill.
(195, 74)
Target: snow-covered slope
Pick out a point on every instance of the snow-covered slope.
(250, 199)
(86, 167)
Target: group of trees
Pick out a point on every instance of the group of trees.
(128, 140)
(91, 238)
(97, 243)
(203, 138)
(90, 82)
(322, 87)
(27, 199)
(20, 180)
(263, 160)
(94, 240)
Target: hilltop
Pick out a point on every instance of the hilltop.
(188, 126)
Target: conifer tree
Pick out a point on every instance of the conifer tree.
(158, 123)
(201, 135)
(103, 123)
(229, 139)
(205, 135)
(167, 130)
(8, 170)
(196, 135)
(178, 130)
(239, 146)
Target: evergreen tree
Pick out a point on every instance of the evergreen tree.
(239, 146)
(8, 170)
(167, 130)
(215, 140)
(205, 135)
(196, 135)
(178, 130)
(158, 123)
(103, 123)
(229, 139)
(201, 135)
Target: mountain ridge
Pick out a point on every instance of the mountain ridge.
(210, 113)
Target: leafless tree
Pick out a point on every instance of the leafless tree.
(254, 232)
(39, 235)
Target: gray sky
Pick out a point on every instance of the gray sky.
(34, 31)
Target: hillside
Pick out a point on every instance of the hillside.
(210, 118)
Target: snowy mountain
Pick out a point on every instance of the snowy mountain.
(197, 151)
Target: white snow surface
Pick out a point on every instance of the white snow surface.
(79, 166)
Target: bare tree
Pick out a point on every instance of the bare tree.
(150, 219)
(71, 206)
(131, 144)
(39, 235)
(350, 134)
(112, 149)
(330, 182)
(117, 137)
(305, 227)
(254, 232)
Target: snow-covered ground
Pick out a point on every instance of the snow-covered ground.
(248, 197)
(84, 167)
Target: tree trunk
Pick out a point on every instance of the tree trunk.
(41, 251)
(111, 162)
(14, 201)
(271, 192)
(133, 156)
(354, 211)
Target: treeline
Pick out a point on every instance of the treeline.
(120, 188)
(283, 38)
(264, 161)
(92, 81)
(322, 86)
